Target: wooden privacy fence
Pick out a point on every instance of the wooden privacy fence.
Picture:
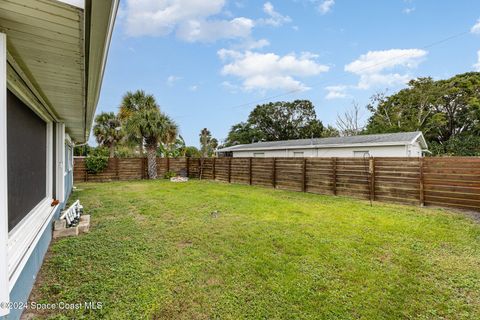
(451, 182)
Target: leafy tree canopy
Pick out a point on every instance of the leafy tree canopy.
(447, 111)
(108, 131)
(277, 121)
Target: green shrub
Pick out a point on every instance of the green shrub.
(170, 174)
(97, 160)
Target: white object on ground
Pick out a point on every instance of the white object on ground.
(72, 214)
(179, 179)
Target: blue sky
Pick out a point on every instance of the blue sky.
(209, 63)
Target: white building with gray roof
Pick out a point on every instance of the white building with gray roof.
(400, 144)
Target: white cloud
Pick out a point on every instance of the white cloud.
(476, 66)
(326, 6)
(225, 54)
(336, 92)
(268, 71)
(275, 19)
(251, 44)
(191, 20)
(172, 79)
(372, 66)
(193, 87)
(408, 10)
(476, 27)
(209, 31)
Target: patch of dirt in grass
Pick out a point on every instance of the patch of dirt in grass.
(474, 215)
(180, 308)
(184, 244)
(214, 281)
(385, 257)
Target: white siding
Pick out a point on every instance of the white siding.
(415, 149)
(375, 151)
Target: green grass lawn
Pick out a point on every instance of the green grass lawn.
(156, 251)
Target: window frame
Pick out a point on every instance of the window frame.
(69, 153)
(23, 238)
(259, 154)
(4, 292)
(60, 155)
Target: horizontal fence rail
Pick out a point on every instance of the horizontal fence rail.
(448, 182)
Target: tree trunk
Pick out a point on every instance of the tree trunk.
(152, 162)
(112, 151)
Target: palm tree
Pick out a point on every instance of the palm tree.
(208, 144)
(135, 101)
(152, 127)
(174, 149)
(108, 131)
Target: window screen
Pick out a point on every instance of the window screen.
(27, 154)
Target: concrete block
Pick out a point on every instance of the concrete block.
(67, 232)
(84, 224)
(60, 224)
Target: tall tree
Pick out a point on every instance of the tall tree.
(330, 131)
(349, 123)
(243, 133)
(447, 111)
(277, 121)
(208, 144)
(135, 101)
(152, 127)
(132, 102)
(108, 131)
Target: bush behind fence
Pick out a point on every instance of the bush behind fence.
(452, 182)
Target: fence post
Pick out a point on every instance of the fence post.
(229, 169)
(371, 171)
(334, 176)
(274, 173)
(187, 160)
(421, 187)
(213, 169)
(250, 170)
(168, 163)
(304, 175)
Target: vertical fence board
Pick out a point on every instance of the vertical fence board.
(250, 171)
(334, 165)
(372, 178)
(421, 187)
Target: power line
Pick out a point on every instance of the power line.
(432, 44)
